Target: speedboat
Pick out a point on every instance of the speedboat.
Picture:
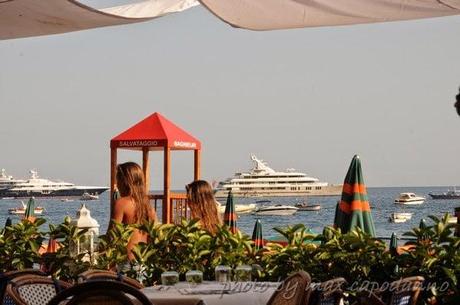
(308, 207)
(87, 196)
(22, 210)
(275, 210)
(400, 217)
(409, 199)
(263, 201)
(239, 208)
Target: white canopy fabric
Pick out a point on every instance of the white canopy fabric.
(283, 14)
(25, 18)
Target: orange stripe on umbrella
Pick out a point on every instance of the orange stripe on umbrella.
(354, 188)
(52, 246)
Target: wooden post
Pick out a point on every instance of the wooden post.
(113, 177)
(167, 209)
(146, 168)
(197, 164)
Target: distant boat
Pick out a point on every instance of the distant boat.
(39, 187)
(450, 194)
(263, 201)
(400, 217)
(87, 196)
(409, 199)
(22, 210)
(239, 208)
(66, 200)
(275, 210)
(308, 207)
(264, 181)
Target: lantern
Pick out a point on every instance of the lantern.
(86, 244)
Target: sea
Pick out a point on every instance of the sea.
(381, 200)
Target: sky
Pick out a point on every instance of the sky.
(307, 99)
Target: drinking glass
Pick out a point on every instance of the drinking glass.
(194, 277)
(243, 273)
(169, 278)
(223, 274)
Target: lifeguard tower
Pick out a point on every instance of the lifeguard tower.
(156, 133)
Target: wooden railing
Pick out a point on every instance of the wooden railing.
(178, 206)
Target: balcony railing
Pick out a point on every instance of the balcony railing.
(178, 206)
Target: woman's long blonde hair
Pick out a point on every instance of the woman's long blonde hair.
(203, 205)
(131, 183)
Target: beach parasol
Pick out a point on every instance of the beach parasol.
(30, 210)
(394, 244)
(422, 224)
(257, 236)
(8, 222)
(423, 227)
(52, 246)
(229, 214)
(353, 209)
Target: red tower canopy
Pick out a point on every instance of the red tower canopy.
(155, 132)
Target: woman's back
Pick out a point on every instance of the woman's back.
(125, 212)
(134, 205)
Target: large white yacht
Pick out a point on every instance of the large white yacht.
(7, 181)
(38, 187)
(264, 181)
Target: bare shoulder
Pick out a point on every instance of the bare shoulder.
(123, 203)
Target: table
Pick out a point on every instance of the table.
(212, 293)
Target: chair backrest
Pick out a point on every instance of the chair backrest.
(406, 291)
(34, 289)
(402, 292)
(95, 274)
(6, 277)
(100, 292)
(292, 291)
(327, 293)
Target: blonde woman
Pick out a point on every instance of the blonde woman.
(203, 205)
(133, 206)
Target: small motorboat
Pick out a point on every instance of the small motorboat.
(263, 201)
(22, 210)
(450, 194)
(452, 219)
(409, 199)
(400, 217)
(275, 210)
(308, 207)
(66, 200)
(239, 208)
(87, 196)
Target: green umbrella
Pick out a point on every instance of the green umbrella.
(394, 244)
(353, 209)
(30, 209)
(229, 214)
(257, 235)
(422, 224)
(8, 223)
